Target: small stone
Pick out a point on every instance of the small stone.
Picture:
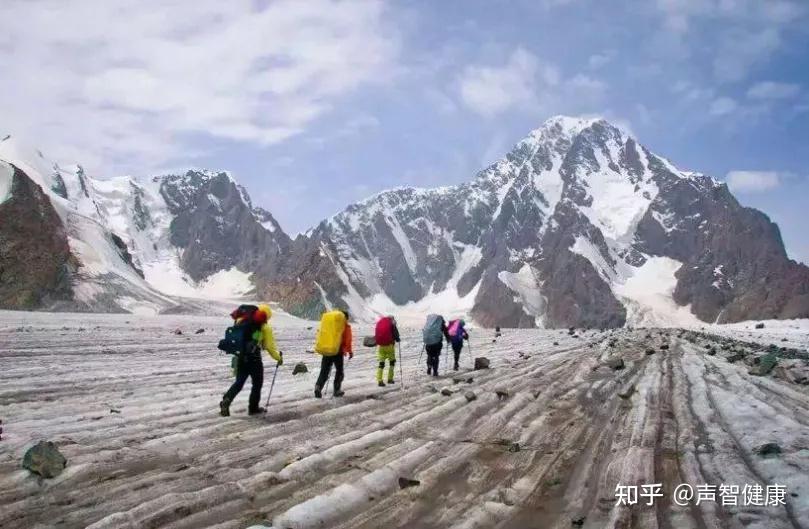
(615, 363)
(664, 347)
(627, 392)
(113, 410)
(299, 368)
(764, 365)
(502, 393)
(470, 396)
(405, 483)
(555, 343)
(515, 447)
(650, 351)
(768, 450)
(481, 362)
(736, 357)
(712, 351)
(759, 325)
(199, 331)
(178, 332)
(44, 459)
(446, 392)
(578, 522)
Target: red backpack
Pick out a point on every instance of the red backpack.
(384, 331)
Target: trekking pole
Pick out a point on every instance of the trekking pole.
(401, 371)
(272, 385)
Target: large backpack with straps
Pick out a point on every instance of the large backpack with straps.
(239, 337)
(330, 333)
(456, 330)
(433, 332)
(383, 333)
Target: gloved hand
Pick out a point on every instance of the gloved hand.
(350, 356)
(280, 360)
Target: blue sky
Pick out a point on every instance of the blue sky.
(314, 104)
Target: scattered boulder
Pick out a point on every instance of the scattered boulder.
(406, 483)
(555, 343)
(481, 362)
(763, 365)
(650, 351)
(199, 331)
(178, 332)
(759, 325)
(627, 391)
(44, 459)
(514, 447)
(470, 396)
(768, 450)
(299, 368)
(615, 363)
(446, 392)
(735, 357)
(664, 347)
(578, 521)
(502, 393)
(712, 351)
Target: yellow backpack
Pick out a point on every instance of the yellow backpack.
(330, 333)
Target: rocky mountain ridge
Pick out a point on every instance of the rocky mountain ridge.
(579, 224)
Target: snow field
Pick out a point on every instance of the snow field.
(133, 407)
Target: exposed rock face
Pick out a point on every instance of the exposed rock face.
(35, 259)
(217, 227)
(578, 225)
(560, 232)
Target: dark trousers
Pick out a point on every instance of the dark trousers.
(325, 368)
(456, 350)
(433, 355)
(248, 366)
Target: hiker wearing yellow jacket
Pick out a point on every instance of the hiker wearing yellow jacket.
(332, 342)
(249, 364)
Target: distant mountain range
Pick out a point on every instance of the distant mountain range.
(579, 225)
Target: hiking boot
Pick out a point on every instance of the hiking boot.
(381, 384)
(338, 393)
(257, 411)
(318, 392)
(455, 368)
(224, 408)
(391, 382)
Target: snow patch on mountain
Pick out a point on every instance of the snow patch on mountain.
(447, 302)
(648, 293)
(6, 181)
(527, 289)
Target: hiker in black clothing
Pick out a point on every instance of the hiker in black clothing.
(434, 333)
(249, 364)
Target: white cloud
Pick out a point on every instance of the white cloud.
(740, 50)
(773, 90)
(599, 60)
(491, 90)
(752, 181)
(722, 106)
(125, 84)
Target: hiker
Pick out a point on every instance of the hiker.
(386, 336)
(247, 361)
(457, 334)
(434, 334)
(332, 343)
